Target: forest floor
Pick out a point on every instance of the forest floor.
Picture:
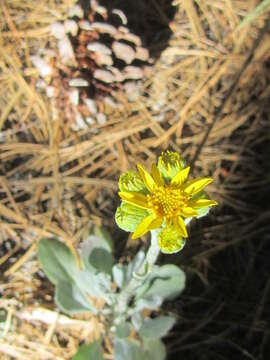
(206, 97)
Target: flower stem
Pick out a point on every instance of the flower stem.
(137, 278)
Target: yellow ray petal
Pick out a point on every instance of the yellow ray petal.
(201, 203)
(181, 176)
(156, 224)
(136, 199)
(157, 176)
(144, 226)
(179, 223)
(188, 212)
(147, 178)
(197, 185)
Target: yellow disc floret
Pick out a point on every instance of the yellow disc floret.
(167, 201)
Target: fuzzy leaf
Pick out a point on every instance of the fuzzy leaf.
(89, 244)
(123, 330)
(101, 260)
(154, 349)
(166, 281)
(59, 265)
(156, 328)
(91, 351)
(119, 274)
(137, 320)
(70, 300)
(94, 284)
(125, 349)
(134, 265)
(103, 233)
(150, 302)
(57, 260)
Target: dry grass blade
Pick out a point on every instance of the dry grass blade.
(259, 10)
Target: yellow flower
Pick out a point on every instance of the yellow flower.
(164, 200)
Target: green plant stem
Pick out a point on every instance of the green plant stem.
(137, 278)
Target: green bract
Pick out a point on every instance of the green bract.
(170, 240)
(131, 181)
(169, 164)
(128, 217)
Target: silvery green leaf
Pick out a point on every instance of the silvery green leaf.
(137, 320)
(106, 236)
(123, 330)
(82, 298)
(87, 247)
(104, 282)
(154, 349)
(134, 265)
(90, 351)
(89, 244)
(119, 274)
(150, 302)
(59, 265)
(166, 281)
(125, 349)
(70, 299)
(90, 283)
(101, 260)
(156, 328)
(56, 260)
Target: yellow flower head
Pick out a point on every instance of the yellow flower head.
(164, 199)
